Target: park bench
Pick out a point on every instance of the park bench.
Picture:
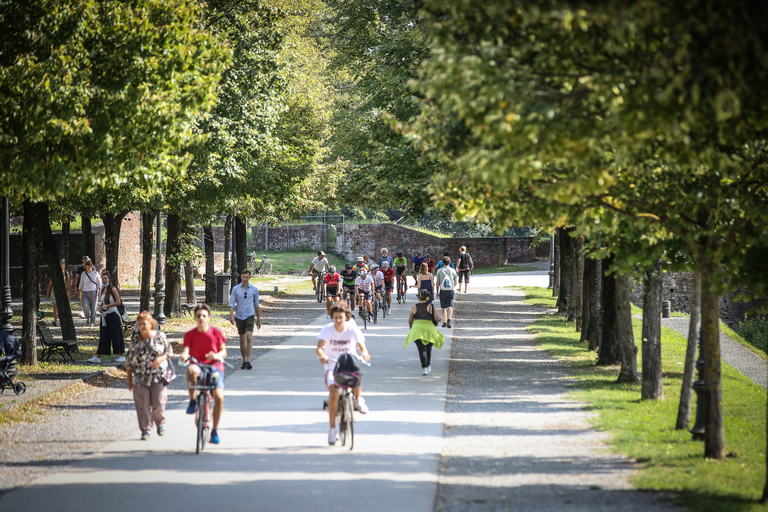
(188, 308)
(128, 327)
(62, 348)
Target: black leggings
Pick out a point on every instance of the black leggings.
(425, 352)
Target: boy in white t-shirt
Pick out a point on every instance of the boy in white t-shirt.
(335, 339)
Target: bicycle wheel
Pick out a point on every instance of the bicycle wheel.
(384, 306)
(341, 420)
(266, 268)
(350, 422)
(364, 316)
(208, 419)
(375, 310)
(200, 420)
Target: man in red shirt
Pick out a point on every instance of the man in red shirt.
(430, 264)
(331, 281)
(389, 276)
(205, 343)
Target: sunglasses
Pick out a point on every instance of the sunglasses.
(246, 295)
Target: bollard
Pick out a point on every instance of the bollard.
(666, 309)
(275, 289)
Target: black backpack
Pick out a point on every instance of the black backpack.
(347, 371)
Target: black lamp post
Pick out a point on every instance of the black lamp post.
(6, 312)
(235, 275)
(159, 295)
(551, 272)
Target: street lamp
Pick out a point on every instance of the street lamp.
(551, 272)
(235, 275)
(159, 295)
(6, 312)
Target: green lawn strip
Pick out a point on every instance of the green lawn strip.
(496, 269)
(643, 430)
(295, 261)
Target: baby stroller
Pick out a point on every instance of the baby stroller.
(10, 350)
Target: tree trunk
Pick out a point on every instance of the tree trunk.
(577, 282)
(227, 238)
(172, 305)
(147, 239)
(89, 246)
(31, 284)
(628, 372)
(556, 263)
(65, 227)
(714, 437)
(652, 384)
(609, 353)
(241, 240)
(591, 321)
(686, 391)
(566, 259)
(113, 223)
(210, 277)
(51, 254)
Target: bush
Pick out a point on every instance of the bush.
(755, 332)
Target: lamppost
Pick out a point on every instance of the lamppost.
(235, 274)
(551, 272)
(6, 312)
(159, 295)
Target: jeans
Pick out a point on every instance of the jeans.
(425, 352)
(88, 301)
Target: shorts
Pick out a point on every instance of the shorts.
(389, 286)
(333, 291)
(465, 274)
(220, 382)
(244, 326)
(367, 295)
(379, 289)
(400, 271)
(315, 272)
(330, 381)
(349, 287)
(446, 298)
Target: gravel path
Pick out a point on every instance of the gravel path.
(85, 416)
(513, 440)
(733, 353)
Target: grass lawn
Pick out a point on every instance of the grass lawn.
(668, 460)
(503, 268)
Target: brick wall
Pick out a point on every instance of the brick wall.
(358, 239)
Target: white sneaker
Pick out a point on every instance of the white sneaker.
(360, 406)
(429, 369)
(120, 359)
(424, 371)
(94, 359)
(332, 436)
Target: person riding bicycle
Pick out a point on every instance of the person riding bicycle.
(348, 276)
(319, 264)
(416, 264)
(389, 276)
(400, 264)
(363, 290)
(205, 343)
(430, 263)
(336, 338)
(331, 283)
(385, 257)
(378, 281)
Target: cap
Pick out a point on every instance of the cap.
(320, 253)
(360, 258)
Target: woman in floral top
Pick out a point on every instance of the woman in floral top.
(149, 350)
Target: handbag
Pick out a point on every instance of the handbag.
(168, 374)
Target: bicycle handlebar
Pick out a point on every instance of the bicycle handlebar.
(356, 356)
(192, 359)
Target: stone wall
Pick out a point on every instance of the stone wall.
(358, 239)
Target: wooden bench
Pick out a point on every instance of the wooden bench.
(188, 308)
(62, 348)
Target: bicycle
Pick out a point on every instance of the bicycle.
(376, 307)
(265, 266)
(401, 288)
(320, 289)
(206, 383)
(345, 419)
(364, 313)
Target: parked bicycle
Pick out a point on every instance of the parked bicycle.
(206, 383)
(264, 268)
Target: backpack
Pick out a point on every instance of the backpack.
(447, 283)
(347, 371)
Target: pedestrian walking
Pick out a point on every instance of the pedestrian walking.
(88, 288)
(65, 274)
(145, 364)
(243, 308)
(423, 334)
(445, 281)
(424, 281)
(465, 267)
(111, 325)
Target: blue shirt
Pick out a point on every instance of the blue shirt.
(440, 265)
(246, 306)
(386, 258)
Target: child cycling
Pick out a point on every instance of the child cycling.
(335, 339)
(363, 289)
(331, 284)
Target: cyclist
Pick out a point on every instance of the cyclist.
(360, 264)
(318, 264)
(378, 281)
(416, 264)
(385, 257)
(363, 289)
(389, 276)
(205, 343)
(335, 339)
(348, 276)
(400, 265)
(430, 263)
(331, 283)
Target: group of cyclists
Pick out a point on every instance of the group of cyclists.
(365, 279)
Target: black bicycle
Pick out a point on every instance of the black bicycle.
(376, 307)
(320, 289)
(264, 267)
(345, 418)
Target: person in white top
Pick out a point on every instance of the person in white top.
(111, 328)
(445, 280)
(335, 339)
(89, 287)
(364, 290)
(319, 264)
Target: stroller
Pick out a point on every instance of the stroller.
(10, 350)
